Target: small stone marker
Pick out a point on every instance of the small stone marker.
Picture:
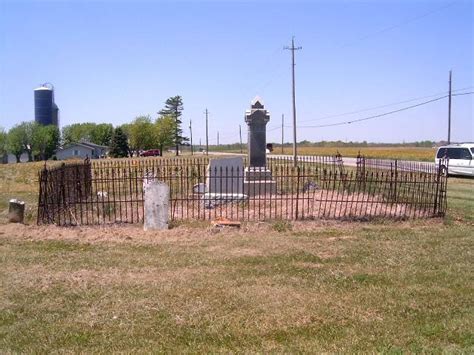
(16, 211)
(157, 196)
(199, 188)
(224, 222)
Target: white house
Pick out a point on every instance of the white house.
(82, 150)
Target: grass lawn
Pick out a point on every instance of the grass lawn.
(288, 287)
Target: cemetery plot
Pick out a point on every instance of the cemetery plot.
(320, 187)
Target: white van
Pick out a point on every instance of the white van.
(460, 158)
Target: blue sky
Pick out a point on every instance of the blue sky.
(111, 61)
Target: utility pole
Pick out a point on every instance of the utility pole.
(449, 110)
(240, 135)
(191, 136)
(207, 133)
(217, 139)
(293, 49)
(176, 131)
(282, 132)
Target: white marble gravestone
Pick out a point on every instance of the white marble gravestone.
(157, 196)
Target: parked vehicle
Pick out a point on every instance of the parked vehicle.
(460, 159)
(151, 153)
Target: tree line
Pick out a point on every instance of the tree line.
(143, 133)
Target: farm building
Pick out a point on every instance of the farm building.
(82, 150)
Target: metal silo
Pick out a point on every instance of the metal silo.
(46, 111)
(55, 113)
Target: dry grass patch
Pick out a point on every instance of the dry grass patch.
(403, 153)
(317, 287)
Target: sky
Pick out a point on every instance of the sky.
(111, 61)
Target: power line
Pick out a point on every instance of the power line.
(400, 24)
(369, 117)
(275, 128)
(381, 106)
(464, 93)
(377, 116)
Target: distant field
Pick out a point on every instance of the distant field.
(19, 181)
(402, 153)
(315, 286)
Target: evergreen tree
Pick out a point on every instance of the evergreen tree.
(119, 144)
(174, 108)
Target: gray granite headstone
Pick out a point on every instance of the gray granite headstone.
(225, 175)
(157, 196)
(257, 118)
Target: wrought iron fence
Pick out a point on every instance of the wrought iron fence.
(396, 165)
(61, 188)
(319, 187)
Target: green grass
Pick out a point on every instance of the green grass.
(273, 287)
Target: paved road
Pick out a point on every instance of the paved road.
(383, 163)
(414, 165)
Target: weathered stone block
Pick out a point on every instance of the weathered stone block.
(157, 196)
(16, 211)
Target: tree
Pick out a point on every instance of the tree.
(20, 139)
(45, 141)
(102, 134)
(165, 128)
(174, 108)
(15, 141)
(141, 134)
(3, 145)
(126, 130)
(28, 129)
(77, 132)
(119, 144)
